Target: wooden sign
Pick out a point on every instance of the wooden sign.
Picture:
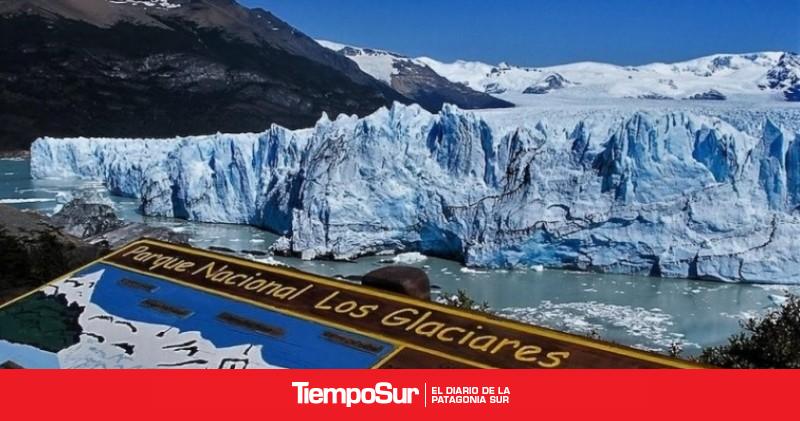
(287, 318)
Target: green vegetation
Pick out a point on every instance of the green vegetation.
(44, 321)
(770, 342)
(463, 301)
(13, 259)
(40, 259)
(29, 258)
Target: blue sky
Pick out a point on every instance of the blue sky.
(546, 32)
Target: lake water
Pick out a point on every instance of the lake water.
(649, 313)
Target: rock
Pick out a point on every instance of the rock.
(432, 91)
(25, 154)
(222, 249)
(785, 73)
(33, 251)
(656, 96)
(134, 70)
(401, 279)
(35, 248)
(555, 81)
(415, 80)
(256, 253)
(84, 220)
(709, 95)
(495, 89)
(536, 90)
(792, 93)
(99, 224)
(551, 82)
(131, 232)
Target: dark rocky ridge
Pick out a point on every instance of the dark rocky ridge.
(786, 72)
(83, 220)
(710, 95)
(792, 93)
(432, 91)
(33, 251)
(785, 76)
(550, 83)
(98, 224)
(424, 86)
(96, 68)
(35, 248)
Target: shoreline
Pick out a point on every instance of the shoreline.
(613, 305)
(277, 252)
(15, 155)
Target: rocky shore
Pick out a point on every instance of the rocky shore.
(35, 248)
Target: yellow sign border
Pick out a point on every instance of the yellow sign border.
(667, 362)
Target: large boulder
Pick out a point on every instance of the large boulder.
(404, 280)
(33, 251)
(83, 220)
(35, 248)
(98, 224)
(709, 95)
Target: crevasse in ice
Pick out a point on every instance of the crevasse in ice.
(661, 192)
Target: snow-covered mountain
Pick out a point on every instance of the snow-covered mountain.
(785, 75)
(694, 190)
(164, 4)
(415, 80)
(765, 75)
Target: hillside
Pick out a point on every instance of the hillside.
(165, 68)
(415, 79)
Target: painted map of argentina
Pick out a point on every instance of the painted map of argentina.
(105, 317)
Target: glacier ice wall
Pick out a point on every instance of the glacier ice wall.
(665, 193)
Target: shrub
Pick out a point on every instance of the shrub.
(462, 300)
(770, 342)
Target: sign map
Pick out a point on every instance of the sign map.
(157, 305)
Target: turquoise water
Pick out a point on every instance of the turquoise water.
(650, 313)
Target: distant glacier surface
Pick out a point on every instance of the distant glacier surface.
(686, 192)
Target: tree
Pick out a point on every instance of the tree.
(770, 342)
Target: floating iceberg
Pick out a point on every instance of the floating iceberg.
(677, 193)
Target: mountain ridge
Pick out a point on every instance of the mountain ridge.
(414, 79)
(735, 74)
(103, 68)
(770, 75)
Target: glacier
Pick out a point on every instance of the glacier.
(688, 192)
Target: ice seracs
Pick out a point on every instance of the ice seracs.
(708, 192)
